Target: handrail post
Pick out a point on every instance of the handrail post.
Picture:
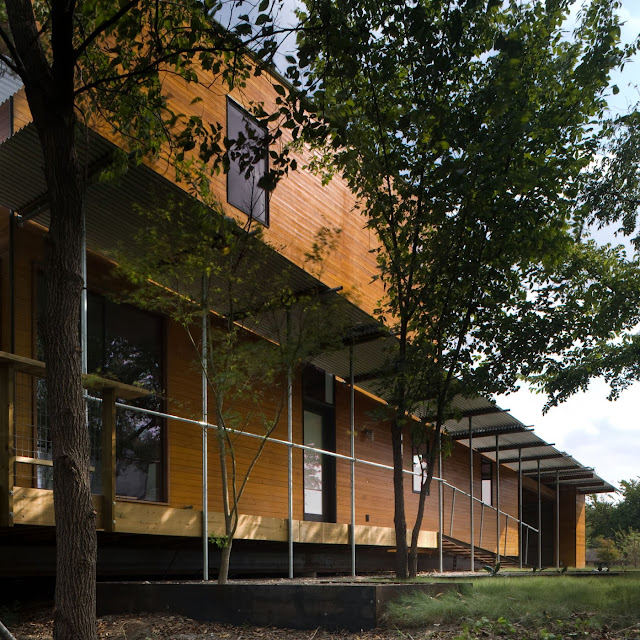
(108, 460)
(7, 453)
(506, 533)
(481, 523)
(453, 506)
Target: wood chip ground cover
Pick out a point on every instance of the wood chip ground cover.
(36, 624)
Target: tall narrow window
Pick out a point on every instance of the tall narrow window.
(319, 426)
(487, 481)
(248, 163)
(420, 466)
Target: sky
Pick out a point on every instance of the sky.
(598, 433)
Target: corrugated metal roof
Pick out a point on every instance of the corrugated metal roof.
(10, 84)
(113, 224)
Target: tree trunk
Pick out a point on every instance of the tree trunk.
(49, 88)
(76, 545)
(399, 520)
(225, 556)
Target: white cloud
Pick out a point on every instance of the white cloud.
(597, 432)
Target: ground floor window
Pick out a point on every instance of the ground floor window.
(486, 470)
(126, 344)
(319, 432)
(420, 466)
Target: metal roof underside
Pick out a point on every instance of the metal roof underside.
(114, 225)
(10, 83)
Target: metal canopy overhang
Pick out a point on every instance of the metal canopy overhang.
(110, 221)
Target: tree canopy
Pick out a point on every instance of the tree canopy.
(105, 65)
(464, 130)
(606, 519)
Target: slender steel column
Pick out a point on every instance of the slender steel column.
(12, 281)
(205, 431)
(557, 520)
(352, 424)
(497, 499)
(290, 466)
(539, 521)
(520, 508)
(471, 523)
(440, 504)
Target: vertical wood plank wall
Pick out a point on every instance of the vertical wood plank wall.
(266, 494)
(299, 207)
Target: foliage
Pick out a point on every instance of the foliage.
(110, 65)
(463, 130)
(610, 196)
(259, 328)
(608, 552)
(492, 570)
(608, 519)
(629, 543)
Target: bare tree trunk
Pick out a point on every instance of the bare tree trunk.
(398, 494)
(75, 603)
(50, 92)
(225, 557)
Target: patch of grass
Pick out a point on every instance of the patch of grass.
(612, 601)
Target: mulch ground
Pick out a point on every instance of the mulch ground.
(36, 624)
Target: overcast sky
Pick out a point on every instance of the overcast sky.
(598, 433)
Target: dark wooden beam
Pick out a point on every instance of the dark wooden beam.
(548, 470)
(541, 456)
(567, 476)
(484, 433)
(512, 447)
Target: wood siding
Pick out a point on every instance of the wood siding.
(299, 208)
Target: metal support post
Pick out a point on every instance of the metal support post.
(471, 505)
(290, 467)
(520, 508)
(290, 452)
(440, 504)
(557, 520)
(497, 499)
(352, 424)
(539, 521)
(205, 431)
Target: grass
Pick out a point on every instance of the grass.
(530, 603)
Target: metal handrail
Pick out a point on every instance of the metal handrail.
(504, 513)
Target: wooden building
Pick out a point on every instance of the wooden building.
(528, 498)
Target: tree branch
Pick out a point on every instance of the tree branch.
(101, 28)
(14, 61)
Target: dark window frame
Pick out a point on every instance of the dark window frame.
(329, 476)
(486, 475)
(164, 485)
(233, 104)
(421, 449)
